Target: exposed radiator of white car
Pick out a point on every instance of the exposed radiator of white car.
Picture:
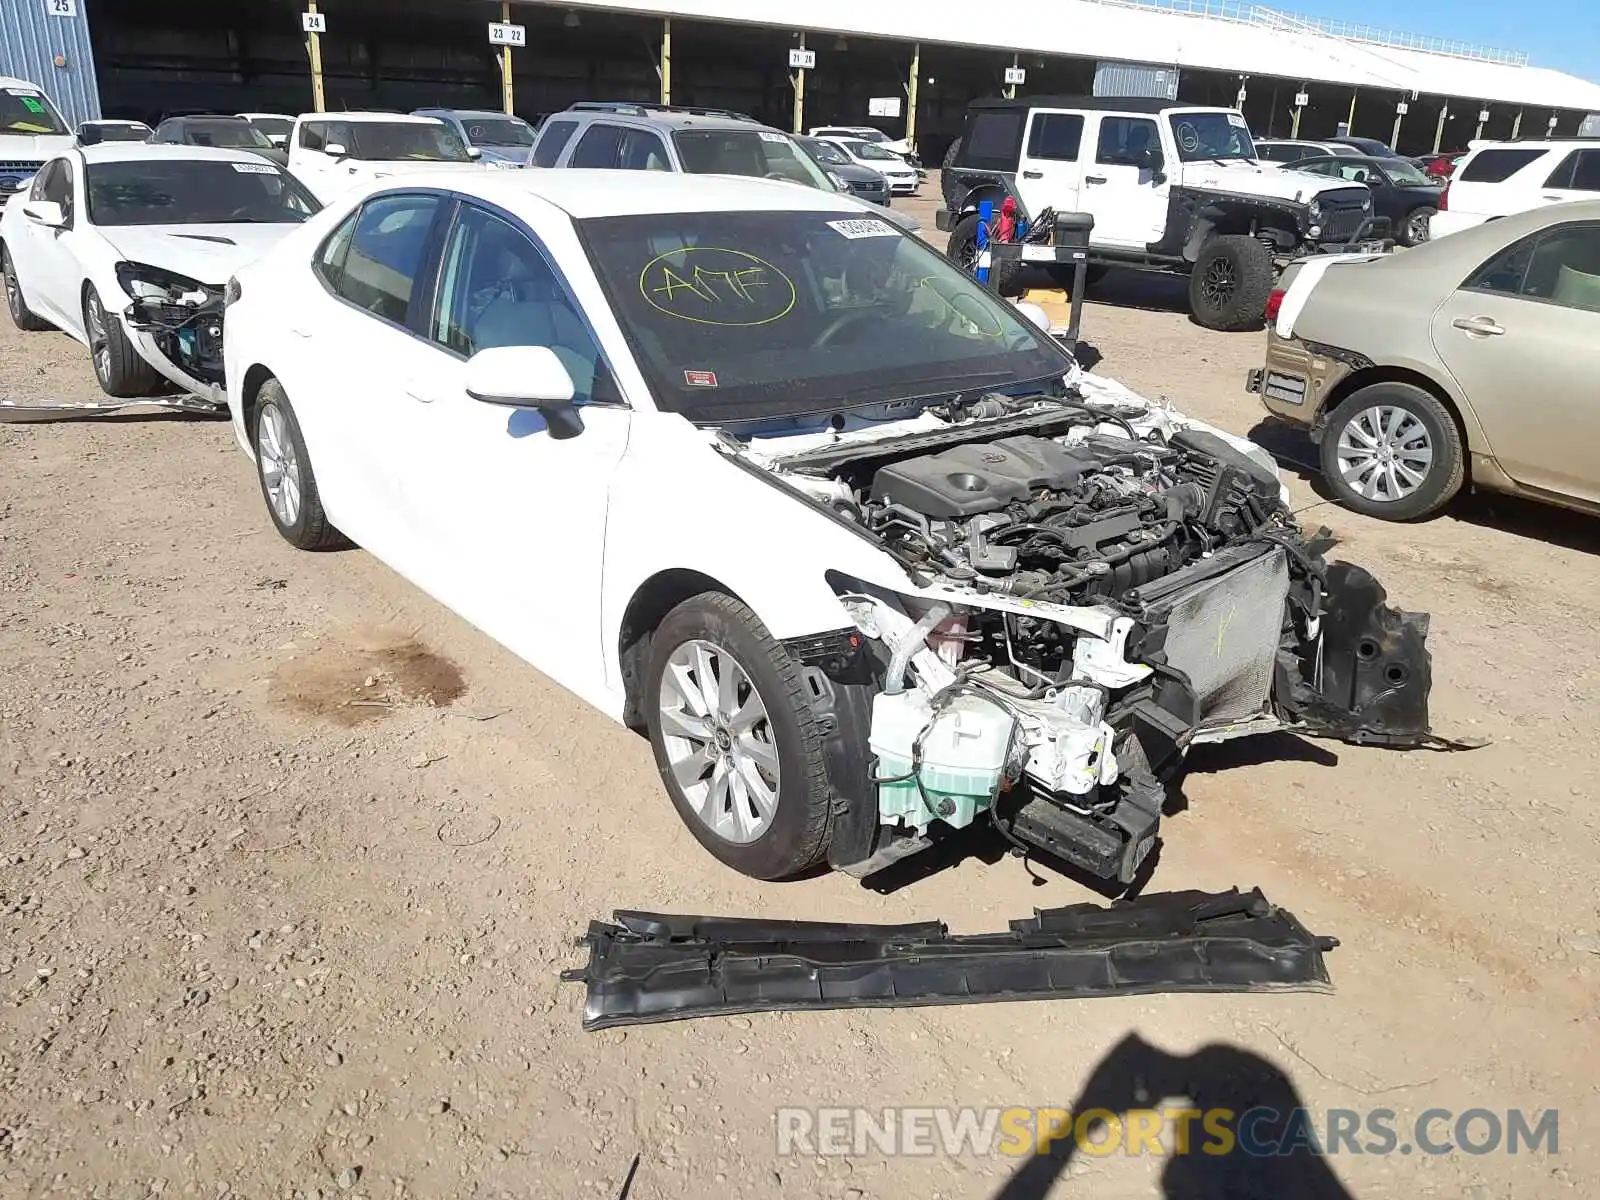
(1223, 632)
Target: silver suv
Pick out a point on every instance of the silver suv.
(631, 136)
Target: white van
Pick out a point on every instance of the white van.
(31, 133)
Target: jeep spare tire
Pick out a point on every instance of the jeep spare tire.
(1230, 283)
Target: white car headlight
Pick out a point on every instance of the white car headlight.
(1316, 210)
(838, 181)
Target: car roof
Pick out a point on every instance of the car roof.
(668, 118)
(1134, 104)
(479, 113)
(13, 81)
(106, 152)
(252, 115)
(114, 121)
(584, 193)
(358, 117)
(186, 117)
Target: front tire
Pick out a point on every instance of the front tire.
(1230, 283)
(1394, 452)
(22, 316)
(962, 249)
(117, 365)
(288, 484)
(735, 739)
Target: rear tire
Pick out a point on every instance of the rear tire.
(1230, 283)
(1425, 464)
(962, 250)
(1415, 231)
(742, 759)
(288, 484)
(117, 365)
(22, 316)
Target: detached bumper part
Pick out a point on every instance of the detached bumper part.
(649, 967)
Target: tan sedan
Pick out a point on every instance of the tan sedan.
(1471, 359)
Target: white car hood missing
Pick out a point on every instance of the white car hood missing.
(205, 253)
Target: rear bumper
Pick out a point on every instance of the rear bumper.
(1296, 379)
(1445, 222)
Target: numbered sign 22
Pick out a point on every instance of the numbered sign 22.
(507, 35)
(61, 8)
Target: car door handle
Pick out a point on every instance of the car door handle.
(420, 397)
(1479, 326)
(298, 332)
(1094, 178)
(1033, 174)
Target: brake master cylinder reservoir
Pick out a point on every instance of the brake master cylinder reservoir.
(962, 763)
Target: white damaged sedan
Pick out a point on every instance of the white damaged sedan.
(854, 542)
(126, 247)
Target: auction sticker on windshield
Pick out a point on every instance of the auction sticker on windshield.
(254, 169)
(863, 229)
(700, 379)
(1237, 121)
(772, 137)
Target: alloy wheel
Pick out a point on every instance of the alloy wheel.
(99, 338)
(280, 465)
(1417, 228)
(719, 741)
(13, 288)
(1384, 453)
(1218, 284)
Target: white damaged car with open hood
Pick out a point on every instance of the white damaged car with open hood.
(854, 542)
(127, 247)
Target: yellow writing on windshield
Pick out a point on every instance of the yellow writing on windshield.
(712, 285)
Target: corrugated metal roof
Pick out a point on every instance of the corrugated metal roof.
(1258, 42)
(31, 38)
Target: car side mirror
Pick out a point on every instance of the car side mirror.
(1033, 314)
(474, 152)
(335, 150)
(45, 212)
(526, 377)
(90, 136)
(1150, 159)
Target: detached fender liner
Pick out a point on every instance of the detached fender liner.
(648, 967)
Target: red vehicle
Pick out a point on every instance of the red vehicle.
(1441, 166)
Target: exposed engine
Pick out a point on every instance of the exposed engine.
(1115, 586)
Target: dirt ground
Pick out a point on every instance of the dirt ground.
(290, 859)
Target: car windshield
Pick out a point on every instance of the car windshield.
(497, 131)
(1405, 174)
(273, 126)
(827, 154)
(120, 133)
(1203, 135)
(194, 192)
(758, 152)
(406, 141)
(230, 135)
(23, 110)
(872, 152)
(752, 316)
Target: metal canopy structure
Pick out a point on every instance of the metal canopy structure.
(1202, 35)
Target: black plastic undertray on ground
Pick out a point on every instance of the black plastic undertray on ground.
(648, 967)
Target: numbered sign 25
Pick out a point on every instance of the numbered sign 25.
(61, 8)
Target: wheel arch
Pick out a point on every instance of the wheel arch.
(651, 601)
(250, 394)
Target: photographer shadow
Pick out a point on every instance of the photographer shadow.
(1137, 1075)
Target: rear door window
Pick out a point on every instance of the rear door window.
(1560, 265)
(642, 150)
(598, 147)
(1055, 136)
(1578, 172)
(385, 254)
(1496, 166)
(552, 141)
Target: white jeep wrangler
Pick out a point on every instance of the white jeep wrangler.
(1171, 187)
